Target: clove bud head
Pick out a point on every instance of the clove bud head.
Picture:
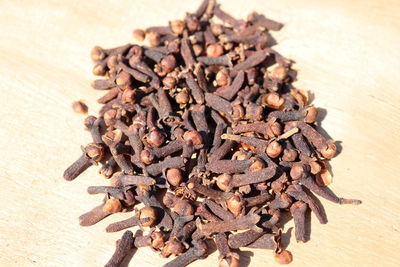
(123, 79)
(214, 50)
(155, 138)
(235, 205)
(272, 100)
(172, 247)
(315, 167)
(94, 151)
(169, 200)
(194, 136)
(128, 96)
(274, 149)
(257, 165)
(298, 171)
(283, 257)
(222, 78)
(139, 35)
(289, 155)
(275, 129)
(177, 26)
(239, 155)
(153, 38)
(330, 150)
(183, 208)
(311, 115)
(323, 178)
(146, 157)
(279, 73)
(112, 205)
(157, 240)
(169, 82)
(174, 176)
(97, 53)
(182, 97)
(168, 63)
(223, 182)
(148, 216)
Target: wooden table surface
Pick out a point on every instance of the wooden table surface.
(346, 52)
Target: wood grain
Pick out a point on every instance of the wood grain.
(346, 52)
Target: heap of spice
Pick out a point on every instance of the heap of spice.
(204, 139)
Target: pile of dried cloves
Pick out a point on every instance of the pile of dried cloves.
(205, 132)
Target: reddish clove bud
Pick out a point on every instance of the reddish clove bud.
(112, 206)
(283, 257)
(174, 176)
(148, 215)
(194, 137)
(79, 107)
(139, 35)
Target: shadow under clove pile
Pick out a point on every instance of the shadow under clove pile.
(245, 257)
(128, 258)
(285, 238)
(317, 202)
(307, 225)
(322, 113)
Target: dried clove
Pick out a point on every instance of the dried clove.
(242, 223)
(206, 118)
(198, 251)
(226, 256)
(123, 246)
(298, 211)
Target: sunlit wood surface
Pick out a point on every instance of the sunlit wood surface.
(346, 53)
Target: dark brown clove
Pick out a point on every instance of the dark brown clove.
(165, 221)
(325, 192)
(121, 225)
(266, 241)
(123, 247)
(168, 163)
(216, 195)
(224, 60)
(242, 223)
(195, 89)
(92, 154)
(94, 216)
(297, 192)
(261, 21)
(257, 200)
(298, 211)
(218, 210)
(205, 214)
(252, 178)
(326, 147)
(187, 53)
(251, 141)
(253, 60)
(244, 238)
(103, 84)
(196, 252)
(219, 104)
(226, 256)
(136, 180)
(228, 166)
(232, 90)
(221, 151)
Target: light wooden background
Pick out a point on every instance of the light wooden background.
(347, 53)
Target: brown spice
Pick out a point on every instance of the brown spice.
(206, 118)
